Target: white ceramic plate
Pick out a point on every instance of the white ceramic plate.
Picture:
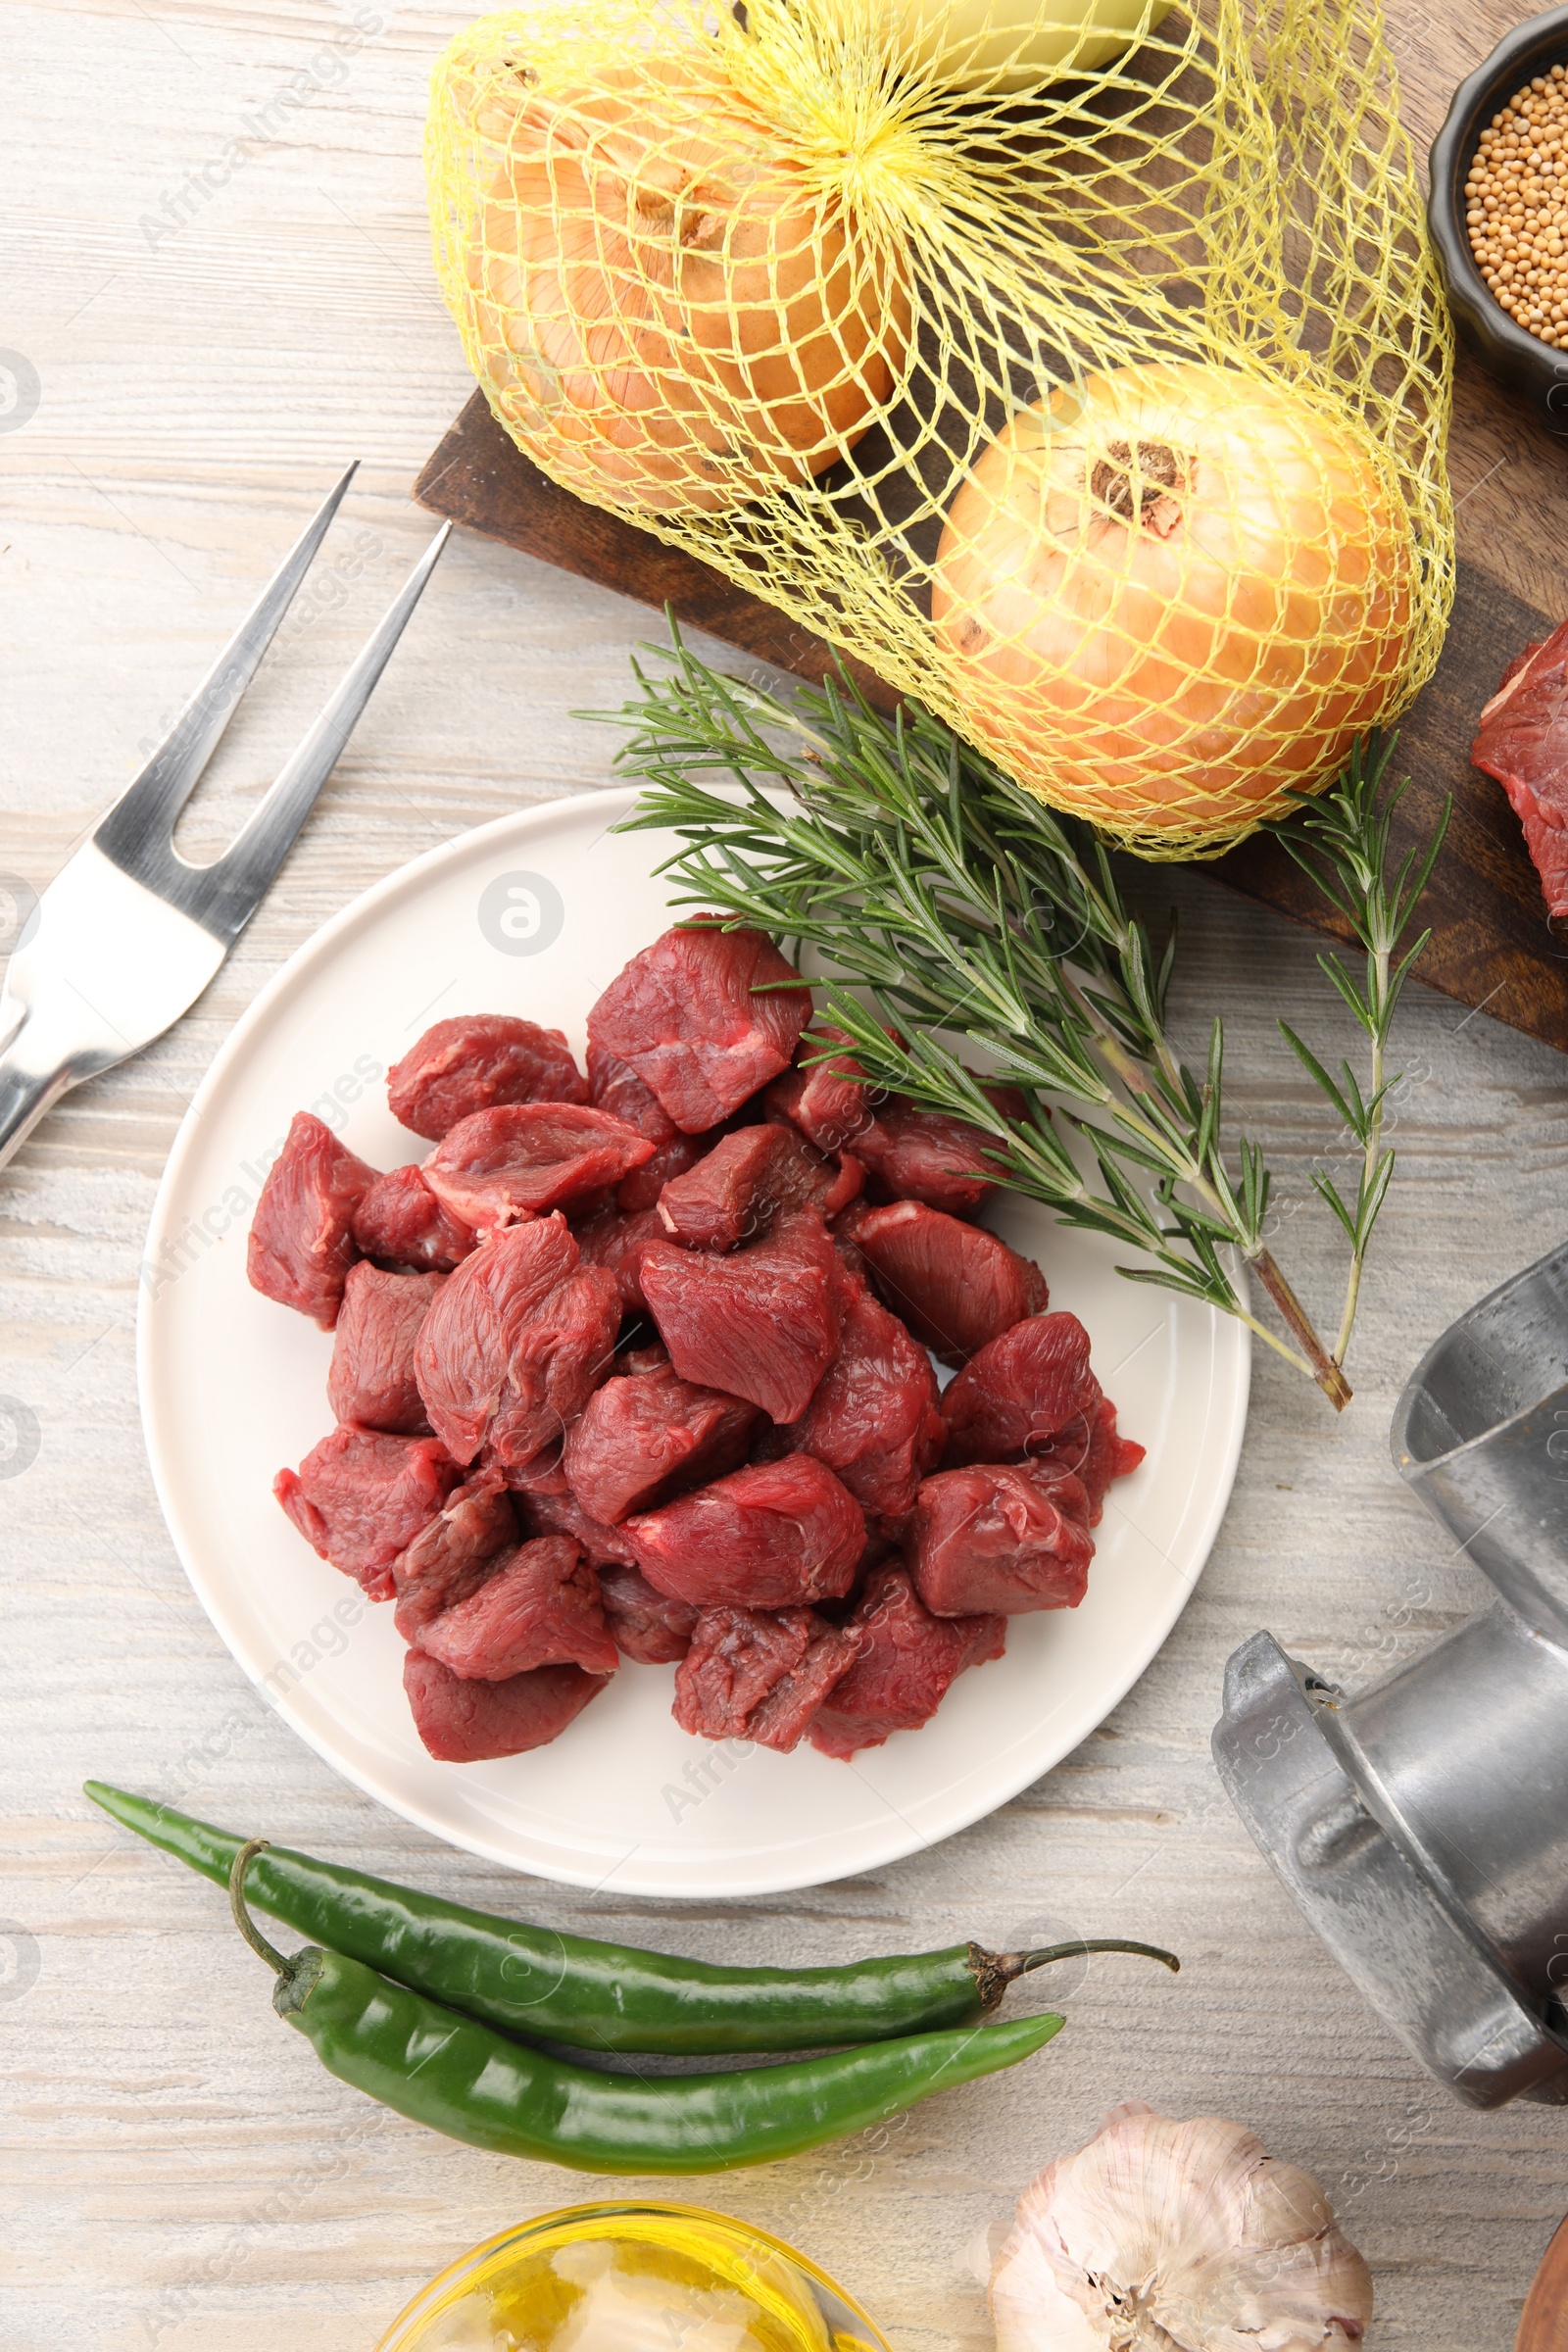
(535, 914)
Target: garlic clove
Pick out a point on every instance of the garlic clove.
(1166, 2236)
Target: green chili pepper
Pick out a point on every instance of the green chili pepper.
(466, 2081)
(600, 1997)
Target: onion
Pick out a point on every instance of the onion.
(1169, 597)
(1017, 44)
(659, 303)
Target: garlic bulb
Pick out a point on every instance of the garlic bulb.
(1162, 2237)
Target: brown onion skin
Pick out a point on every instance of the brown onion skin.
(1175, 674)
(670, 316)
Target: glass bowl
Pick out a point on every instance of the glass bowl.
(633, 2277)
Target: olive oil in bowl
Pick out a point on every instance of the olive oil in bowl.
(633, 2277)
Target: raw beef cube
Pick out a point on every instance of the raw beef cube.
(475, 1062)
(683, 1015)
(740, 1189)
(795, 1177)
(1523, 741)
(1018, 1390)
(723, 1199)
(825, 1095)
(301, 1242)
(914, 1155)
(908, 1661)
(516, 1345)
(466, 1722)
(955, 1284)
(361, 1497)
(400, 1222)
(614, 1087)
(1110, 1456)
(781, 1100)
(600, 1546)
(642, 1188)
(452, 1556)
(615, 1241)
(539, 1608)
(647, 1626)
(909, 1153)
(1088, 1445)
(371, 1378)
(849, 1181)
(852, 1259)
(769, 1537)
(642, 1438)
(545, 1473)
(529, 1157)
(1000, 1537)
(763, 1323)
(875, 1418)
(750, 1675)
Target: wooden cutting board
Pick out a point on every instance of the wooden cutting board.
(1544, 2328)
(1491, 943)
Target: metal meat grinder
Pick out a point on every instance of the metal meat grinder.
(1423, 1826)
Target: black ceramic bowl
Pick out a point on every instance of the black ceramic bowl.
(1531, 366)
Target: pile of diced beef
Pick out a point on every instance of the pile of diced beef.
(638, 1364)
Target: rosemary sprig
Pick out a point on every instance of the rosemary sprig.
(943, 900)
(1341, 840)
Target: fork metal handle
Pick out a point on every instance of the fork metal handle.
(32, 1079)
(105, 971)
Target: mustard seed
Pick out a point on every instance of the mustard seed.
(1516, 206)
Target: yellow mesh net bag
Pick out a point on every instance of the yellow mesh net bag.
(1078, 364)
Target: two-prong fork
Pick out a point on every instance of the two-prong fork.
(129, 933)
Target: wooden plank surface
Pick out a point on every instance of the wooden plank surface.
(173, 2172)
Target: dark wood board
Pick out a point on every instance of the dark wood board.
(1544, 2325)
(1490, 945)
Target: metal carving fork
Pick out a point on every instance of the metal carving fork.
(129, 933)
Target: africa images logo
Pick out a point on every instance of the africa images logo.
(20, 391)
(18, 1960)
(20, 1437)
(521, 914)
(19, 910)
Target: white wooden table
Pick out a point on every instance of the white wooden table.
(216, 264)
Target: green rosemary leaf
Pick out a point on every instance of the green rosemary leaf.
(1207, 1291)
(1315, 1070)
(934, 896)
(1401, 970)
(1209, 1109)
(1372, 1197)
(1323, 1183)
(1256, 1183)
(1359, 1006)
(1346, 852)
